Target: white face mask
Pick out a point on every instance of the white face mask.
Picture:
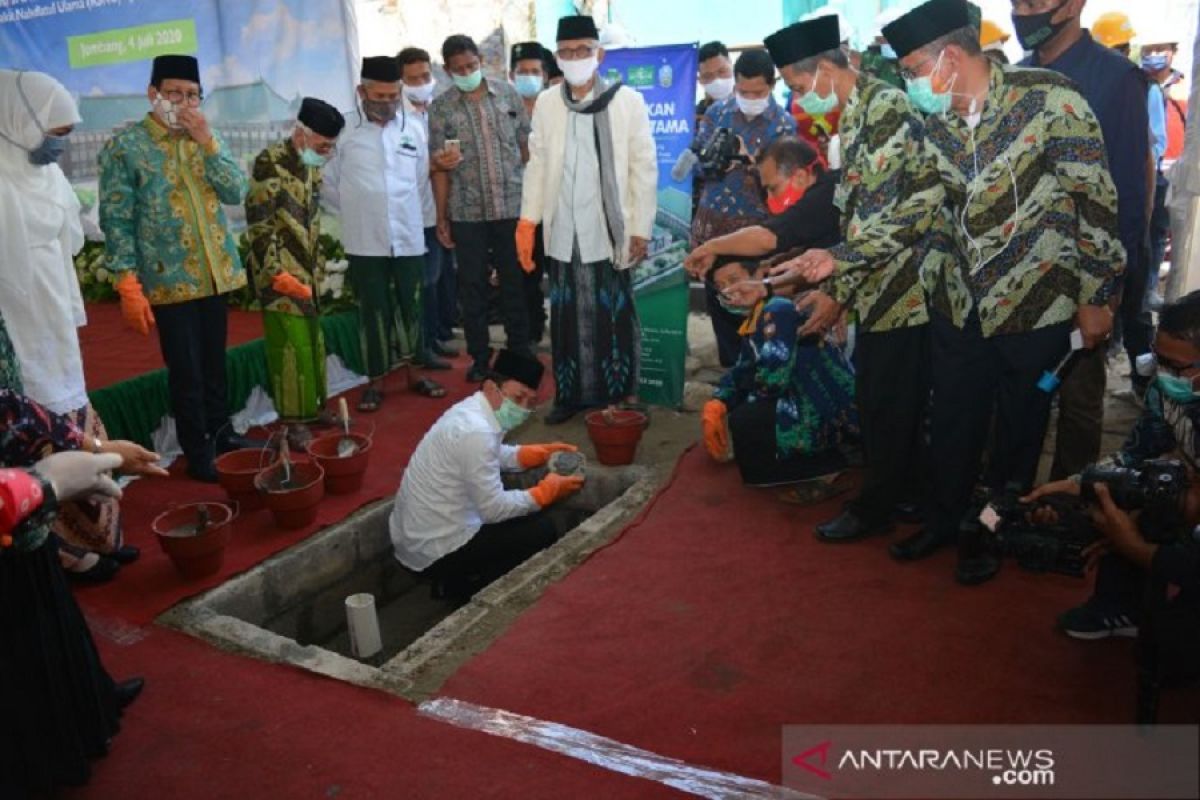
(577, 73)
(419, 94)
(167, 112)
(752, 108)
(719, 88)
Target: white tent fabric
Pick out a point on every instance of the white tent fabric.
(1183, 199)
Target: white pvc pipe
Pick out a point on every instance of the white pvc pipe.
(363, 624)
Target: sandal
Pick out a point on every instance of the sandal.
(429, 388)
(370, 401)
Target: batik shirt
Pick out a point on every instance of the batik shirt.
(492, 133)
(1028, 264)
(810, 382)
(736, 199)
(160, 209)
(889, 196)
(283, 212)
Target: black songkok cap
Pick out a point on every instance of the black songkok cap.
(523, 369)
(526, 51)
(320, 117)
(385, 69)
(802, 40)
(577, 27)
(183, 68)
(551, 59)
(925, 23)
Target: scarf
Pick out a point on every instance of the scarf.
(610, 195)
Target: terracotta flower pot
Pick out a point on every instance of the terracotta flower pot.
(343, 475)
(295, 506)
(615, 435)
(195, 554)
(236, 471)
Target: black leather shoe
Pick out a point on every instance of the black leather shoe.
(848, 527)
(126, 555)
(976, 569)
(233, 441)
(443, 350)
(921, 544)
(909, 513)
(560, 414)
(102, 571)
(477, 374)
(127, 691)
(204, 471)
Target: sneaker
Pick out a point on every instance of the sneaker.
(1088, 622)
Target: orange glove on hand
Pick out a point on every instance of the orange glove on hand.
(526, 230)
(716, 430)
(286, 284)
(555, 487)
(135, 308)
(534, 455)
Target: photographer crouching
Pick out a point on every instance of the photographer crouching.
(1137, 548)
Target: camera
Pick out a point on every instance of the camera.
(719, 153)
(1157, 488)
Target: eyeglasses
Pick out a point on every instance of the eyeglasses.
(908, 74)
(179, 98)
(1173, 367)
(575, 53)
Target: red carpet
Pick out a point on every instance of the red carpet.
(151, 585)
(113, 352)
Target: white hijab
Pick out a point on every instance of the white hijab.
(31, 104)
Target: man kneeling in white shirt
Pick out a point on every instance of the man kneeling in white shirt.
(453, 517)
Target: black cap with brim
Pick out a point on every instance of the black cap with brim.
(514, 366)
(320, 117)
(802, 40)
(182, 68)
(576, 27)
(925, 23)
(384, 69)
(526, 51)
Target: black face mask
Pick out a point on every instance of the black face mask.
(1034, 30)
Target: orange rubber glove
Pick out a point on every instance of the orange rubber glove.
(555, 487)
(716, 430)
(534, 455)
(526, 230)
(286, 284)
(135, 308)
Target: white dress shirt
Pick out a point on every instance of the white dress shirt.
(580, 213)
(373, 182)
(452, 485)
(428, 208)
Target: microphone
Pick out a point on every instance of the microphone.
(683, 165)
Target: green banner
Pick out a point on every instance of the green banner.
(139, 43)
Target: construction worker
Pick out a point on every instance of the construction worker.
(1113, 29)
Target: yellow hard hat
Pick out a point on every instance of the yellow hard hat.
(991, 35)
(1113, 29)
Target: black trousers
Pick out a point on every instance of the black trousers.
(725, 327)
(492, 552)
(973, 379)
(478, 246)
(1134, 325)
(891, 385)
(535, 298)
(752, 429)
(1080, 414)
(192, 336)
(1160, 232)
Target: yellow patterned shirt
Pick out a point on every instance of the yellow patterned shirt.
(160, 210)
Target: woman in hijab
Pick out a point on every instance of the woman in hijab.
(40, 232)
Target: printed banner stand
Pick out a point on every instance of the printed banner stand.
(666, 78)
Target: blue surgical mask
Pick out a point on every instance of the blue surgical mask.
(922, 95)
(1155, 63)
(468, 83)
(888, 52)
(1176, 388)
(49, 151)
(311, 158)
(510, 415)
(528, 85)
(815, 104)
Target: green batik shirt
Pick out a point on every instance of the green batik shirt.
(1026, 257)
(161, 197)
(885, 69)
(889, 195)
(284, 216)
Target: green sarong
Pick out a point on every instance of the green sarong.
(388, 290)
(295, 365)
